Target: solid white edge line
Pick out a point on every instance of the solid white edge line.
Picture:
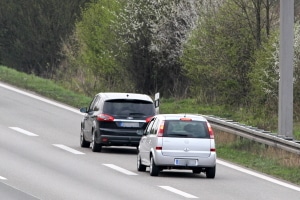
(117, 168)
(23, 131)
(2, 178)
(264, 177)
(176, 191)
(66, 148)
(40, 98)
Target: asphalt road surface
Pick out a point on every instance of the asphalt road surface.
(40, 158)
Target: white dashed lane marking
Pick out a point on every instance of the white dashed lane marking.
(179, 192)
(67, 149)
(2, 178)
(119, 169)
(23, 131)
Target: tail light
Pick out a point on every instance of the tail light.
(161, 129)
(105, 117)
(149, 119)
(210, 131)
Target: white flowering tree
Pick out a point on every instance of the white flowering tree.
(265, 75)
(154, 32)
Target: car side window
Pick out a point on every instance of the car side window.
(93, 104)
(97, 104)
(155, 127)
(148, 129)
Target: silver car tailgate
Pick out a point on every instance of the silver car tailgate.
(186, 147)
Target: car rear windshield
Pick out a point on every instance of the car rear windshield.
(190, 129)
(129, 107)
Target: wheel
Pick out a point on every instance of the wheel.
(83, 142)
(154, 170)
(140, 166)
(211, 172)
(95, 147)
(197, 170)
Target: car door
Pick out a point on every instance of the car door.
(152, 139)
(90, 117)
(144, 143)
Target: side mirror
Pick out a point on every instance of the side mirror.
(83, 110)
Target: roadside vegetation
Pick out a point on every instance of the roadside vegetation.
(241, 151)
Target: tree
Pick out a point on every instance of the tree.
(92, 51)
(265, 74)
(218, 57)
(154, 32)
(32, 32)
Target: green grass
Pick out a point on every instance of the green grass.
(231, 152)
(260, 163)
(260, 157)
(44, 87)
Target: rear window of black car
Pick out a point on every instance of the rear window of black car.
(190, 129)
(129, 107)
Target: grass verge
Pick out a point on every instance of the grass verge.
(242, 152)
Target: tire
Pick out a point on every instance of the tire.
(140, 166)
(211, 172)
(95, 147)
(154, 170)
(83, 142)
(197, 171)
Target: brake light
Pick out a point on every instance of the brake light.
(185, 119)
(158, 148)
(161, 129)
(210, 131)
(105, 117)
(149, 119)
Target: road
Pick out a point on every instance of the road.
(40, 158)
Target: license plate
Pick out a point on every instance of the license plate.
(192, 162)
(129, 124)
(185, 162)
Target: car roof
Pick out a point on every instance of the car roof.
(182, 115)
(123, 95)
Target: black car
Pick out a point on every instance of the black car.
(115, 119)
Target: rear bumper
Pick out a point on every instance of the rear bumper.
(169, 161)
(122, 138)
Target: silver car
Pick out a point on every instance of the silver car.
(178, 141)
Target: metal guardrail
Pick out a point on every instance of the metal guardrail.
(253, 133)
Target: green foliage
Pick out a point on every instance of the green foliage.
(93, 52)
(215, 58)
(265, 75)
(31, 33)
(219, 54)
(97, 35)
